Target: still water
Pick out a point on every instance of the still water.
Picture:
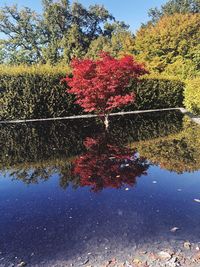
(72, 193)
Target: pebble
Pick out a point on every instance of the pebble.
(163, 255)
(127, 264)
(187, 245)
(197, 256)
(111, 262)
(137, 261)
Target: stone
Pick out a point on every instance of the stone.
(127, 264)
(137, 262)
(85, 261)
(111, 262)
(197, 256)
(163, 255)
(187, 245)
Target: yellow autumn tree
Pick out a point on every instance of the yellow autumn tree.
(168, 41)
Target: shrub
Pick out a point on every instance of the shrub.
(182, 68)
(192, 96)
(36, 92)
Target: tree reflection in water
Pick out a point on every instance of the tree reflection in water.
(106, 164)
(34, 152)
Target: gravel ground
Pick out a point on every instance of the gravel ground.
(172, 253)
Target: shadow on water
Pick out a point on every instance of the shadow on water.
(146, 157)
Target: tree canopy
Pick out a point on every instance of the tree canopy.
(174, 6)
(101, 85)
(169, 42)
(172, 39)
(61, 32)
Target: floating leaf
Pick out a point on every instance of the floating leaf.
(174, 229)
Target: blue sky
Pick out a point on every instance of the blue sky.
(133, 12)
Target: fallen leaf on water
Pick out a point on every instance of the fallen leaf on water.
(174, 229)
(21, 264)
(197, 200)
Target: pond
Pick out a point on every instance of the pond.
(72, 194)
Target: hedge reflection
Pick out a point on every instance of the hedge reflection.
(34, 152)
(178, 153)
(50, 143)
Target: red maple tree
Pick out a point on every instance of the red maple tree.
(100, 85)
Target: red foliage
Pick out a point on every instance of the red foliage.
(100, 85)
(106, 165)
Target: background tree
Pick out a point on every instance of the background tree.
(22, 31)
(2, 53)
(54, 24)
(172, 39)
(174, 6)
(61, 32)
(117, 40)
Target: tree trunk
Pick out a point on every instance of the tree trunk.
(106, 121)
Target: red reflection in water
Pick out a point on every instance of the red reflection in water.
(107, 165)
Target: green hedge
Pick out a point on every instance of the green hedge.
(38, 93)
(192, 96)
(154, 92)
(34, 93)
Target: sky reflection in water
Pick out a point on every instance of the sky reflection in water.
(66, 190)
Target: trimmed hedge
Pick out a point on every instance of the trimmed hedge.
(32, 92)
(154, 92)
(192, 96)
